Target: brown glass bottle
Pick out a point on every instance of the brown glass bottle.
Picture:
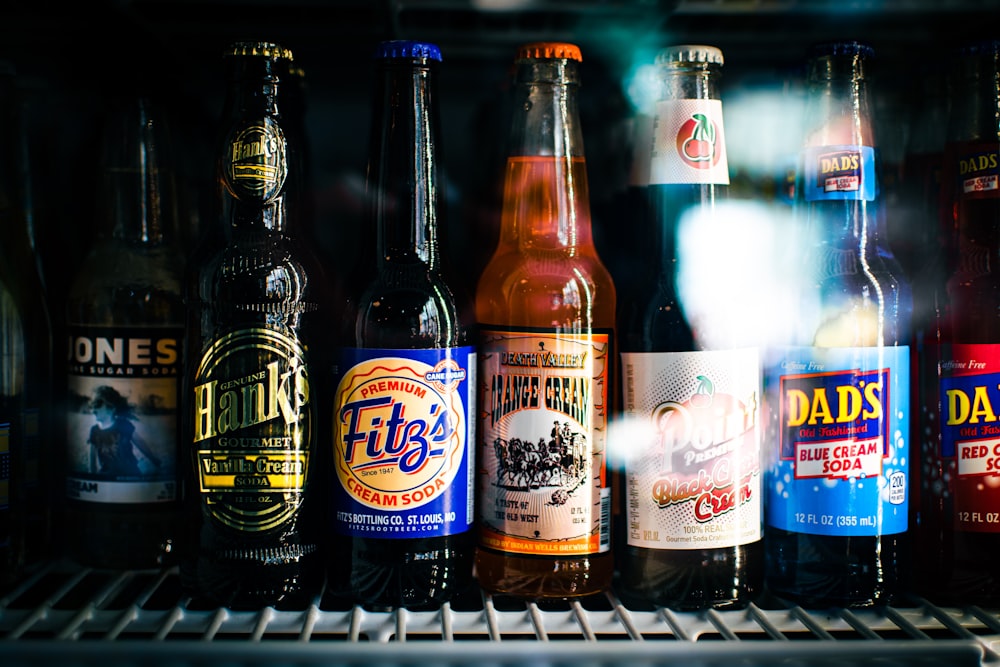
(684, 375)
(258, 321)
(125, 319)
(30, 363)
(545, 307)
(959, 528)
(12, 450)
(402, 513)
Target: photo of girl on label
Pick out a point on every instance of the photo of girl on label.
(114, 439)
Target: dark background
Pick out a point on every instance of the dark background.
(71, 60)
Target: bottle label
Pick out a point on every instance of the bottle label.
(123, 414)
(253, 428)
(256, 165)
(978, 172)
(970, 434)
(543, 483)
(839, 419)
(693, 458)
(689, 144)
(404, 432)
(839, 173)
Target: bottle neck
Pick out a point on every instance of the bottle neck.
(838, 110)
(840, 162)
(257, 172)
(138, 190)
(976, 101)
(688, 163)
(689, 81)
(404, 193)
(546, 195)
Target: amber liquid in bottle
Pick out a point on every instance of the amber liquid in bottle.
(544, 284)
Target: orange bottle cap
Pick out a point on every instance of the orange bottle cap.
(550, 50)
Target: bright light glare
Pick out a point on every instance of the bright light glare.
(738, 274)
(763, 129)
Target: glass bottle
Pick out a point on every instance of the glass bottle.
(404, 408)
(12, 450)
(125, 320)
(959, 530)
(837, 443)
(30, 373)
(545, 307)
(693, 517)
(258, 317)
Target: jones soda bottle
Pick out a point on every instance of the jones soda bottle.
(545, 306)
(125, 319)
(693, 515)
(837, 443)
(404, 407)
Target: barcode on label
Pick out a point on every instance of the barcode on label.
(605, 519)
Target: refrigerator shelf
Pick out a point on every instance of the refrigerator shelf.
(66, 615)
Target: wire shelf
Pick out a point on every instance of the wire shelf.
(67, 615)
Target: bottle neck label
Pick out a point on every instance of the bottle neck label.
(688, 144)
(977, 172)
(839, 173)
(543, 480)
(255, 164)
(404, 433)
(840, 432)
(123, 426)
(692, 460)
(253, 429)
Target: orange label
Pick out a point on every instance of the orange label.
(542, 476)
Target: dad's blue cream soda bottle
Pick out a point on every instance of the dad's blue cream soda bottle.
(838, 441)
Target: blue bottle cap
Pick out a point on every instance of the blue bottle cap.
(405, 48)
(844, 48)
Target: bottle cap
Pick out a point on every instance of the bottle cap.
(689, 53)
(844, 48)
(260, 49)
(549, 50)
(405, 48)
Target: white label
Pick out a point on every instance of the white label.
(693, 463)
(689, 144)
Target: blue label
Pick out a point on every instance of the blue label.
(404, 427)
(839, 445)
(839, 173)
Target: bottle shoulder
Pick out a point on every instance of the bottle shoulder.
(546, 289)
(121, 283)
(406, 307)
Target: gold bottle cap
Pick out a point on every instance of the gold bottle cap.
(550, 50)
(261, 49)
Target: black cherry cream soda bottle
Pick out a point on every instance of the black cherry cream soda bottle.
(689, 438)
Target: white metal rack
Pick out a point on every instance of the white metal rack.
(66, 615)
